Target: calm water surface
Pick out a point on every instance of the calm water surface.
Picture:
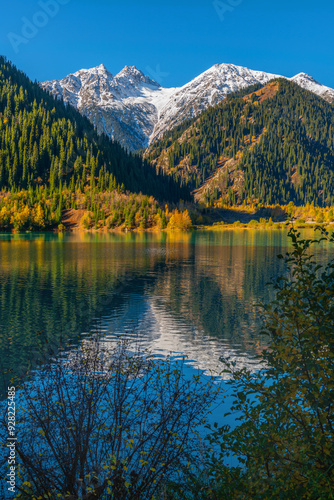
(193, 294)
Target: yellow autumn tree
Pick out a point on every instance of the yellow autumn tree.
(4, 217)
(179, 221)
(85, 221)
(39, 217)
(157, 221)
(20, 217)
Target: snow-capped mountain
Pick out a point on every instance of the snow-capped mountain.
(307, 82)
(124, 107)
(207, 89)
(135, 110)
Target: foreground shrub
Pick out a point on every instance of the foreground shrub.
(286, 433)
(105, 423)
(283, 445)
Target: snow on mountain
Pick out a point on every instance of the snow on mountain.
(124, 107)
(135, 110)
(307, 82)
(207, 89)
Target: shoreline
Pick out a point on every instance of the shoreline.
(216, 226)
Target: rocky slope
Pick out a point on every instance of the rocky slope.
(135, 110)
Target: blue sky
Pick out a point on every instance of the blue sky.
(172, 42)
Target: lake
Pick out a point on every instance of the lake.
(193, 294)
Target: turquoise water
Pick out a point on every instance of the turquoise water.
(193, 294)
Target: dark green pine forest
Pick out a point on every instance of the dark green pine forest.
(271, 145)
(44, 142)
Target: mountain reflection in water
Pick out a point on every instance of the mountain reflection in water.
(193, 294)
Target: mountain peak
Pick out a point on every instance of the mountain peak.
(96, 70)
(305, 76)
(131, 69)
(101, 67)
(134, 74)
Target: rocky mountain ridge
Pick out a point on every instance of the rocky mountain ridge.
(135, 110)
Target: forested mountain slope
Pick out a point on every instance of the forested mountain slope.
(44, 142)
(274, 144)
